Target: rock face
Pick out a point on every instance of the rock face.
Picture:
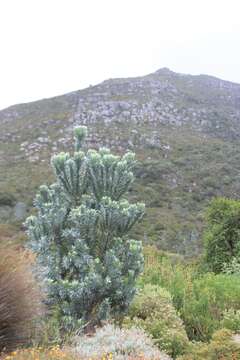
(204, 103)
(184, 129)
(20, 211)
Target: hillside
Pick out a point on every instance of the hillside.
(184, 129)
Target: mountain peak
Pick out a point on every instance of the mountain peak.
(164, 71)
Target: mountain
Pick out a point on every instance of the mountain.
(184, 129)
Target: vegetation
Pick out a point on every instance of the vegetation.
(222, 235)
(205, 303)
(153, 311)
(231, 319)
(178, 174)
(115, 343)
(53, 353)
(200, 298)
(91, 270)
(80, 235)
(222, 346)
(20, 300)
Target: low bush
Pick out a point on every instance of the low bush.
(232, 267)
(221, 347)
(205, 302)
(19, 299)
(50, 334)
(153, 311)
(200, 298)
(231, 320)
(167, 271)
(7, 199)
(112, 342)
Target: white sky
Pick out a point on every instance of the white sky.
(50, 47)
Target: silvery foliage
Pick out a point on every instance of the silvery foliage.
(80, 234)
(122, 344)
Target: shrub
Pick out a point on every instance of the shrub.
(120, 344)
(152, 310)
(50, 334)
(206, 301)
(222, 235)
(7, 199)
(232, 267)
(221, 347)
(199, 297)
(231, 320)
(19, 300)
(80, 235)
(167, 271)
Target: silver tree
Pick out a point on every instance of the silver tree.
(80, 234)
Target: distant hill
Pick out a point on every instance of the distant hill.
(184, 129)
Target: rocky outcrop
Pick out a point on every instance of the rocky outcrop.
(202, 103)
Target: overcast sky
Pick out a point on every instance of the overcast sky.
(50, 47)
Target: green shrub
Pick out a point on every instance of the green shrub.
(206, 301)
(199, 297)
(167, 271)
(233, 267)
(50, 333)
(221, 347)
(222, 235)
(231, 320)
(153, 311)
(7, 199)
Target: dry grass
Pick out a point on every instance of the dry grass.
(19, 298)
(11, 235)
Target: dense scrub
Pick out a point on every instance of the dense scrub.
(200, 298)
(222, 346)
(175, 298)
(152, 310)
(222, 234)
(188, 309)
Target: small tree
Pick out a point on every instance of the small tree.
(222, 234)
(80, 234)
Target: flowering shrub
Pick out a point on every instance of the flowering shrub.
(112, 342)
(152, 310)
